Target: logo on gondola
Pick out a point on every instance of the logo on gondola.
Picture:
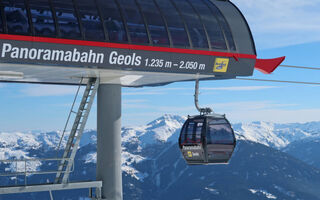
(221, 65)
(189, 154)
(197, 147)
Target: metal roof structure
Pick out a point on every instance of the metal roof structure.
(127, 42)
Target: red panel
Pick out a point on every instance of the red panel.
(267, 66)
(124, 46)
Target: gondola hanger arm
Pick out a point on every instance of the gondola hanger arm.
(202, 111)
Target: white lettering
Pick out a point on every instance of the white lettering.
(32, 54)
(119, 59)
(127, 60)
(92, 57)
(58, 55)
(47, 55)
(75, 56)
(5, 49)
(198, 147)
(39, 53)
(84, 57)
(68, 56)
(15, 52)
(113, 58)
(137, 61)
(100, 58)
(24, 53)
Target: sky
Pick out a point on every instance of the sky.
(280, 28)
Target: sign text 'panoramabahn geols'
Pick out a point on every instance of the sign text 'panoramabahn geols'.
(153, 59)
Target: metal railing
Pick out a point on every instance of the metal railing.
(23, 170)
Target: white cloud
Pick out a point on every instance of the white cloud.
(246, 111)
(241, 88)
(143, 93)
(227, 107)
(176, 109)
(135, 103)
(128, 101)
(49, 90)
(249, 105)
(275, 115)
(136, 106)
(235, 116)
(277, 23)
(266, 111)
(58, 90)
(190, 90)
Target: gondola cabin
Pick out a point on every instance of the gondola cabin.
(207, 139)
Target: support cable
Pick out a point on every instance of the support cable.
(300, 67)
(279, 81)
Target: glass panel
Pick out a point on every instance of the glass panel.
(67, 20)
(198, 131)
(183, 130)
(217, 121)
(175, 24)
(189, 134)
(113, 21)
(183, 134)
(42, 19)
(90, 19)
(155, 22)
(137, 29)
(213, 28)
(190, 128)
(195, 27)
(224, 25)
(16, 16)
(220, 134)
(1, 24)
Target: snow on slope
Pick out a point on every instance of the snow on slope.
(165, 129)
(160, 130)
(277, 135)
(264, 133)
(17, 139)
(263, 192)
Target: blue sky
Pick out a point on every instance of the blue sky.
(283, 27)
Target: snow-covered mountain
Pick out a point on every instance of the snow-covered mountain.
(277, 135)
(153, 167)
(162, 130)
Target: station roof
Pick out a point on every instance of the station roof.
(127, 42)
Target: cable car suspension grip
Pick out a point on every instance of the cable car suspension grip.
(203, 111)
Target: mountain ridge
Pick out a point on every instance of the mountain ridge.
(262, 167)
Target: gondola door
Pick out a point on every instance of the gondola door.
(191, 140)
(220, 141)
